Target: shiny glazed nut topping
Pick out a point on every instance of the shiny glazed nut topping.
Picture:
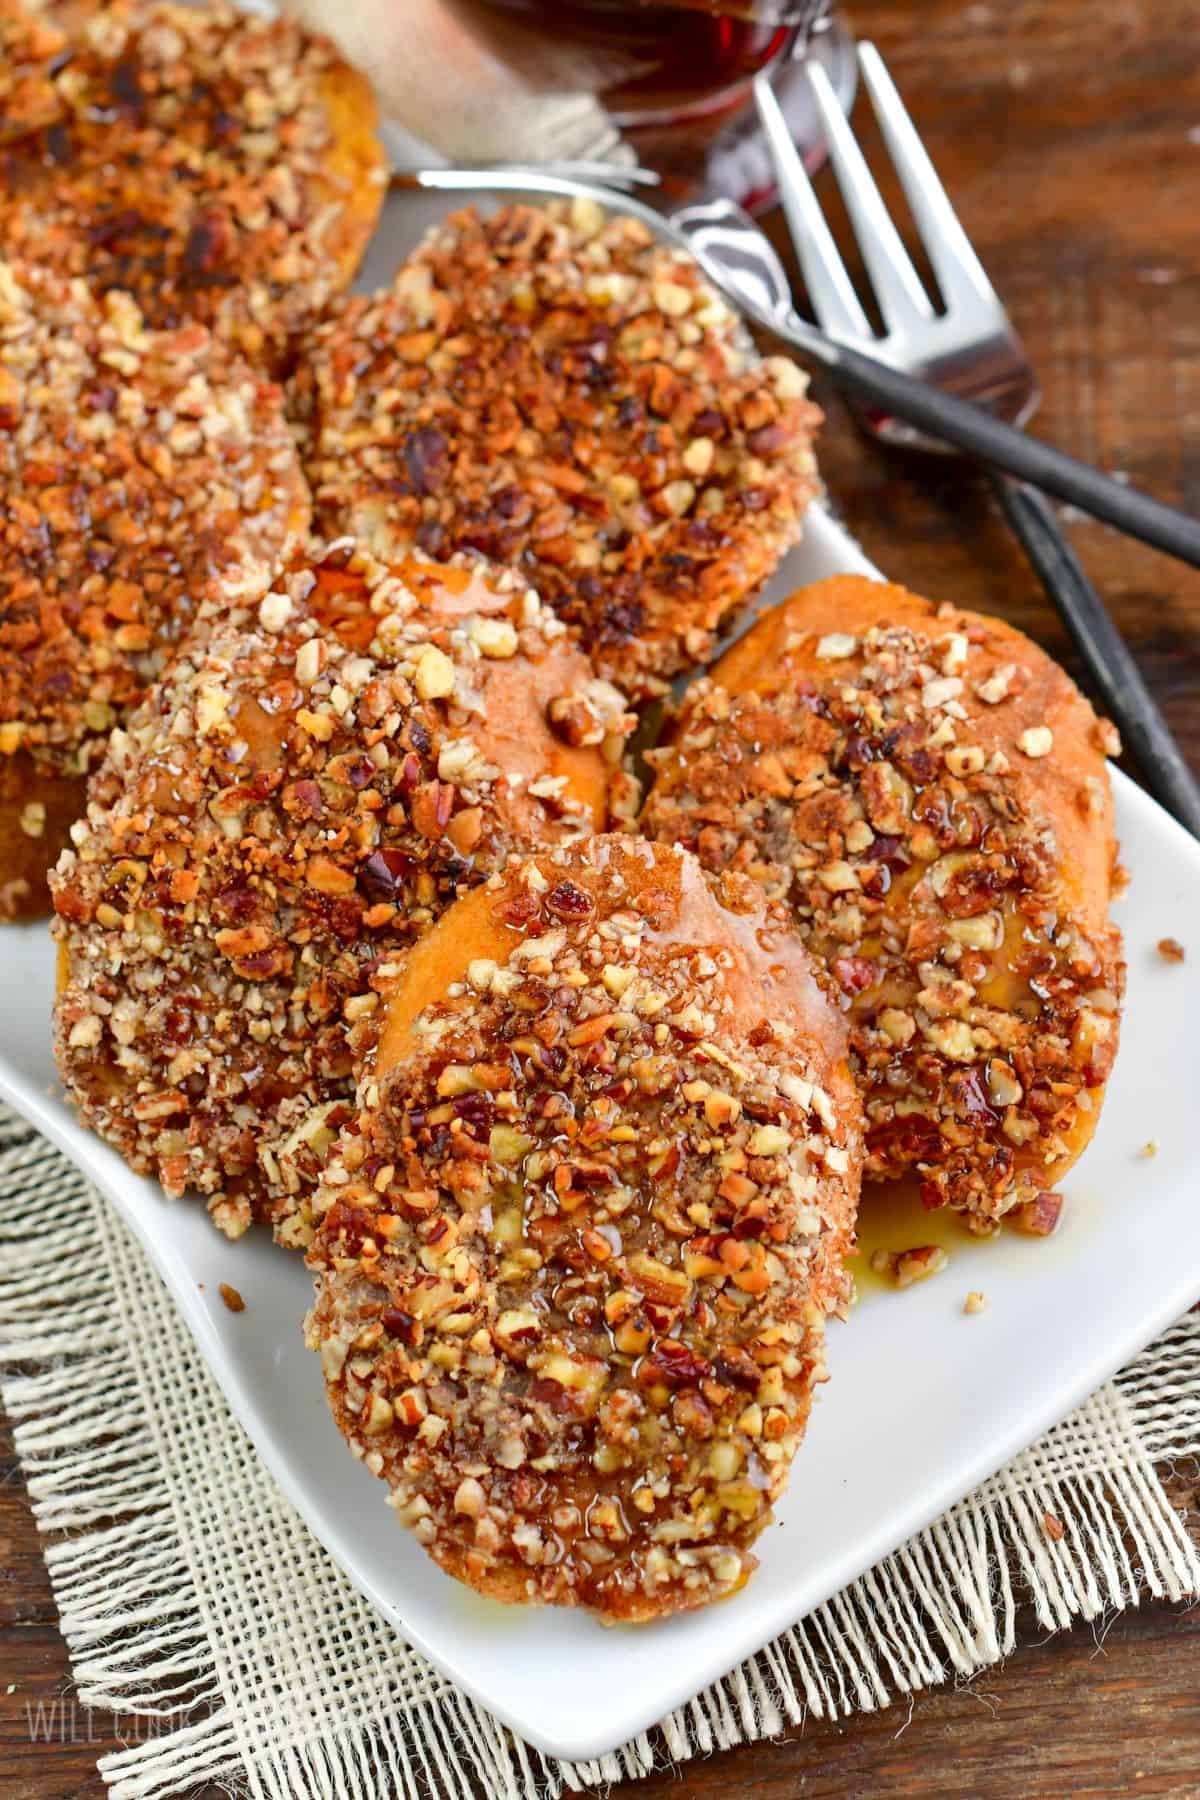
(281, 817)
(580, 1244)
(215, 165)
(141, 473)
(954, 890)
(556, 389)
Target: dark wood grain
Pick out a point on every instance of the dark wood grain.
(1066, 132)
(1069, 134)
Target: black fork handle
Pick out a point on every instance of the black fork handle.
(1114, 675)
(982, 435)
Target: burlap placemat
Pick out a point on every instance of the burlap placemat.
(193, 1599)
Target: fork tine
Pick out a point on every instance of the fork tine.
(830, 290)
(960, 273)
(902, 299)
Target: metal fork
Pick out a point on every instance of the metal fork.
(969, 349)
(624, 176)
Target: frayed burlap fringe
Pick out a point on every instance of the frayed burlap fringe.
(193, 1599)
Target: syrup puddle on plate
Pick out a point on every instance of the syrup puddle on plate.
(891, 1217)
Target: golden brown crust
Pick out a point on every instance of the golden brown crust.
(141, 474)
(1070, 785)
(295, 802)
(564, 393)
(355, 170)
(37, 811)
(579, 1247)
(219, 166)
(926, 789)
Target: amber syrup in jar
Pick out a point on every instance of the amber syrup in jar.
(652, 60)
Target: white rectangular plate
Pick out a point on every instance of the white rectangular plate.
(935, 1399)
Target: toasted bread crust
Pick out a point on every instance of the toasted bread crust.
(926, 790)
(560, 391)
(37, 811)
(217, 166)
(355, 170)
(294, 803)
(1070, 785)
(143, 475)
(578, 1248)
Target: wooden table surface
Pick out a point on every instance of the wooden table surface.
(1069, 134)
